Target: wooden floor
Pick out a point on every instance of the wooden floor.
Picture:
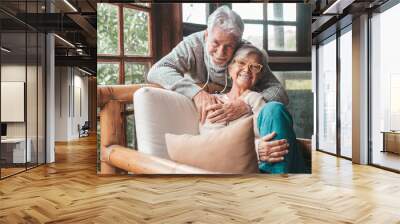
(69, 191)
(10, 171)
(387, 159)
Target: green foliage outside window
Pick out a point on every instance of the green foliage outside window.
(107, 29)
(107, 74)
(135, 72)
(130, 131)
(136, 32)
(136, 43)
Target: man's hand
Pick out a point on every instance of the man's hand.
(202, 100)
(272, 151)
(225, 112)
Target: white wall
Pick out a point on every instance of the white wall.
(16, 73)
(50, 96)
(34, 124)
(61, 103)
(67, 115)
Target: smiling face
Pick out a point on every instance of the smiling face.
(245, 70)
(220, 46)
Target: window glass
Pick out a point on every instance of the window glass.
(194, 13)
(346, 94)
(249, 10)
(394, 101)
(130, 131)
(136, 32)
(327, 97)
(107, 29)
(135, 72)
(282, 11)
(15, 70)
(107, 73)
(31, 99)
(41, 99)
(282, 38)
(136, 45)
(254, 34)
(385, 88)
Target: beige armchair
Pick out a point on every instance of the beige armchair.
(115, 158)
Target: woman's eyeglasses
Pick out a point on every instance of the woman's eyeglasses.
(253, 67)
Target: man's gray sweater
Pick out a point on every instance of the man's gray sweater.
(188, 63)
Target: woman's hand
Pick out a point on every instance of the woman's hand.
(225, 112)
(272, 151)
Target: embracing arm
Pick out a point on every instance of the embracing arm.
(169, 71)
(271, 89)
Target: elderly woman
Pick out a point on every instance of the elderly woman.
(245, 70)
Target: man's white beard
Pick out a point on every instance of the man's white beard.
(210, 59)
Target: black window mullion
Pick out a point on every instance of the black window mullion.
(338, 72)
(265, 26)
(26, 87)
(317, 97)
(37, 98)
(0, 96)
(37, 91)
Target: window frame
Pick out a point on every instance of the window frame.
(189, 28)
(379, 10)
(300, 51)
(121, 58)
(265, 22)
(333, 37)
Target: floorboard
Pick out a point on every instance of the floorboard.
(69, 191)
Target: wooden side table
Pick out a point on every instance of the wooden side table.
(391, 141)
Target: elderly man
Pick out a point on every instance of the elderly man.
(202, 58)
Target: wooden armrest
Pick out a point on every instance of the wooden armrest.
(140, 163)
(305, 148)
(305, 145)
(120, 93)
(124, 93)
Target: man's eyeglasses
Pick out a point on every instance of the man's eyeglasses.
(253, 67)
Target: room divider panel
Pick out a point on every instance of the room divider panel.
(22, 77)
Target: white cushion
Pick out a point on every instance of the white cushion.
(159, 111)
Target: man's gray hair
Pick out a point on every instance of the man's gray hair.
(227, 20)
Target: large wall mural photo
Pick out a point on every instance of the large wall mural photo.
(219, 92)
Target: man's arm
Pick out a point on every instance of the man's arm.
(271, 89)
(169, 71)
